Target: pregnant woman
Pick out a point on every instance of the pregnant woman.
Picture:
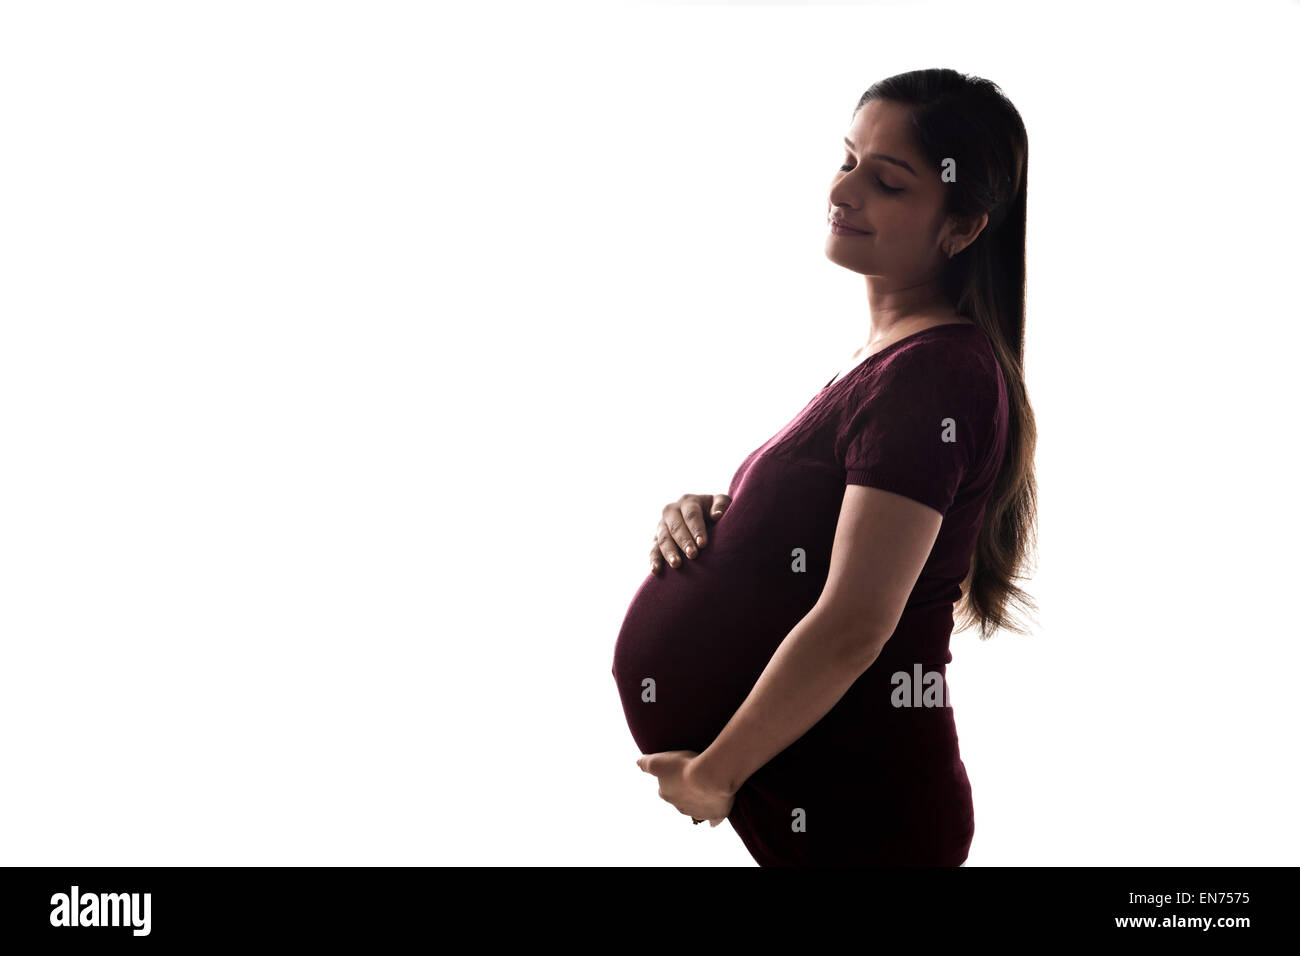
(789, 673)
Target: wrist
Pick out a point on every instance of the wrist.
(707, 774)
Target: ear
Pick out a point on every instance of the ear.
(965, 231)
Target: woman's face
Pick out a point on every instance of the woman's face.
(886, 188)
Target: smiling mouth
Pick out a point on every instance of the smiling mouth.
(841, 229)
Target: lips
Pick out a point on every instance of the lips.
(841, 224)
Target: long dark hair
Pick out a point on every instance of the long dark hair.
(968, 119)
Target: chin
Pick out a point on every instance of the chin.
(852, 263)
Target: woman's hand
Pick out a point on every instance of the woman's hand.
(680, 786)
(683, 526)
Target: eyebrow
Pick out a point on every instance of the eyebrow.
(881, 156)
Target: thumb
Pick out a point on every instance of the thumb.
(714, 823)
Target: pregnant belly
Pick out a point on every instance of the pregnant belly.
(694, 641)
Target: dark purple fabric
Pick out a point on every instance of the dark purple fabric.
(877, 784)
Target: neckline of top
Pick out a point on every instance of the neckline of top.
(894, 344)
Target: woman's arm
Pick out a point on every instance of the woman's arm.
(882, 541)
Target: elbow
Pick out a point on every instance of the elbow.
(858, 637)
(862, 651)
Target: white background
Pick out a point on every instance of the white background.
(350, 351)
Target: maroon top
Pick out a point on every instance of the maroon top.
(877, 782)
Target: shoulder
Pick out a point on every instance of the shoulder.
(955, 363)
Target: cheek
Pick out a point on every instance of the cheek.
(905, 226)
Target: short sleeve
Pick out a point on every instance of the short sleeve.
(916, 422)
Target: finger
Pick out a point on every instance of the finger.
(664, 551)
(664, 538)
(714, 823)
(720, 504)
(681, 535)
(656, 557)
(693, 517)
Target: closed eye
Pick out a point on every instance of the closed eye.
(883, 185)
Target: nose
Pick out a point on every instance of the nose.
(844, 192)
(849, 210)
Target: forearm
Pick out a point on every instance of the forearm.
(812, 669)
